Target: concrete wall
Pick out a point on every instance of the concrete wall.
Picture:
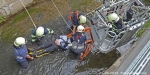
(8, 7)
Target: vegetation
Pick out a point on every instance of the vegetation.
(76, 5)
(147, 2)
(2, 18)
(24, 15)
(13, 27)
(146, 26)
(84, 5)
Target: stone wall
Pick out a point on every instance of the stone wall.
(8, 7)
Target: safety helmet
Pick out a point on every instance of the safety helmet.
(113, 17)
(82, 19)
(20, 41)
(40, 31)
(80, 28)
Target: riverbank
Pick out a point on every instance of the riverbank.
(41, 11)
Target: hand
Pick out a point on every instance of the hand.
(30, 57)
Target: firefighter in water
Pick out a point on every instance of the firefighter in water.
(79, 41)
(21, 52)
(75, 19)
(39, 33)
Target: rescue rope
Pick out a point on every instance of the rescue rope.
(60, 14)
(28, 13)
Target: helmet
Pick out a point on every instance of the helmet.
(113, 17)
(80, 28)
(40, 31)
(82, 19)
(20, 41)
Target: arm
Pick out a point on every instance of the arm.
(50, 31)
(33, 35)
(29, 57)
(74, 29)
(33, 38)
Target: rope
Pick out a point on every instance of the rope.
(28, 13)
(60, 13)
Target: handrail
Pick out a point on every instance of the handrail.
(138, 64)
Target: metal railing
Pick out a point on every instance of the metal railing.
(141, 60)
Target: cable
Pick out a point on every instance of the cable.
(28, 13)
(60, 13)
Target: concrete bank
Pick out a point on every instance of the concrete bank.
(9, 7)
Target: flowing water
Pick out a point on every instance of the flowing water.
(57, 63)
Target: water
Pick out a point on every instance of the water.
(57, 63)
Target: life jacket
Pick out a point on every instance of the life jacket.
(78, 46)
(74, 13)
(64, 42)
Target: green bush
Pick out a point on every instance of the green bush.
(2, 18)
(146, 26)
(147, 2)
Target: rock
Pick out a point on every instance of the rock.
(17, 5)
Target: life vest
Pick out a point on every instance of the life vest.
(64, 42)
(76, 13)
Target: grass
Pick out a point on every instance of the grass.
(25, 15)
(146, 26)
(12, 29)
(147, 2)
(76, 4)
(2, 18)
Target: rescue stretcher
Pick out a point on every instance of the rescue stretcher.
(89, 45)
(35, 53)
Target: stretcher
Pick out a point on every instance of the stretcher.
(89, 46)
(35, 53)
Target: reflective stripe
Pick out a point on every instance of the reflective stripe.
(33, 40)
(69, 44)
(50, 31)
(18, 57)
(33, 36)
(77, 47)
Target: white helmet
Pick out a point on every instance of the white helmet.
(20, 41)
(113, 17)
(82, 19)
(80, 28)
(40, 31)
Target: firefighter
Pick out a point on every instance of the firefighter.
(21, 52)
(79, 41)
(61, 43)
(115, 20)
(75, 19)
(39, 33)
